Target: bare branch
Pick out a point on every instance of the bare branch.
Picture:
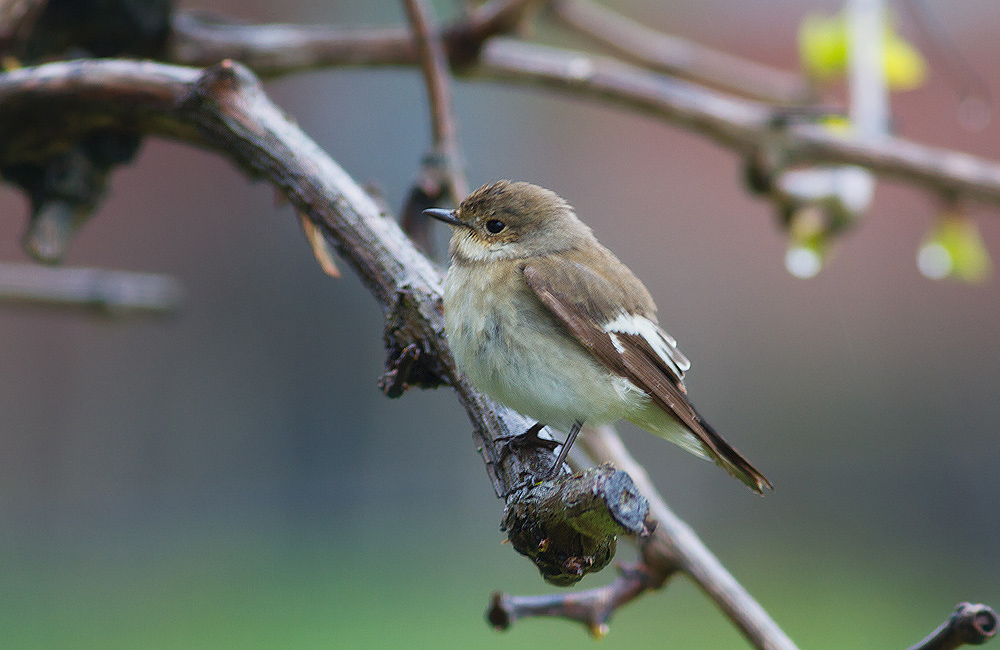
(740, 125)
(968, 625)
(434, 65)
(198, 39)
(671, 548)
(681, 57)
(117, 293)
(593, 608)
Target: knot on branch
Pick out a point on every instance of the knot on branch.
(465, 39)
(569, 527)
(407, 363)
(224, 82)
(974, 624)
(968, 625)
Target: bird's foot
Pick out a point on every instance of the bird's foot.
(526, 440)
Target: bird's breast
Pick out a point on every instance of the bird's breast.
(511, 348)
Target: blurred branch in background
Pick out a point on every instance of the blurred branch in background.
(17, 19)
(116, 293)
(680, 57)
(771, 137)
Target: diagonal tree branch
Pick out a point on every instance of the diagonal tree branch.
(672, 548)
(434, 64)
(674, 545)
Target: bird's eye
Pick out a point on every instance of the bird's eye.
(495, 225)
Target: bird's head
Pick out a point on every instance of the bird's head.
(511, 220)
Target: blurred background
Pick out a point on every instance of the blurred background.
(231, 477)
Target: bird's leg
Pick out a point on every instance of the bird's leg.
(574, 430)
(525, 440)
(530, 438)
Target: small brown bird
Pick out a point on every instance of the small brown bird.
(543, 318)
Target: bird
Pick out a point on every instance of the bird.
(544, 319)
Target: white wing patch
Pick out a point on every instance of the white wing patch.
(662, 343)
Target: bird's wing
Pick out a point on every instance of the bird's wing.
(630, 344)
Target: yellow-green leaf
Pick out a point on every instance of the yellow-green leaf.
(824, 49)
(823, 46)
(955, 248)
(904, 67)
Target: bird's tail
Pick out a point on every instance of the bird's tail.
(702, 440)
(726, 457)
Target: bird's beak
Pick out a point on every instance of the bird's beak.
(447, 216)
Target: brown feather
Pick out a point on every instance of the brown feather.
(554, 279)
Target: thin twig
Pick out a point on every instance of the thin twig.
(434, 65)
(441, 177)
(200, 39)
(680, 57)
